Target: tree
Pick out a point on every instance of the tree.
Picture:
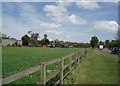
(112, 44)
(94, 41)
(45, 36)
(33, 38)
(107, 43)
(57, 43)
(4, 36)
(25, 40)
(101, 43)
(45, 41)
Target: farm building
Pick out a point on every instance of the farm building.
(10, 42)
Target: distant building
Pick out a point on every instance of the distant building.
(19, 42)
(71, 46)
(52, 45)
(10, 42)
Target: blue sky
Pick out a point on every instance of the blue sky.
(68, 21)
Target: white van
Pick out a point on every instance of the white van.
(100, 47)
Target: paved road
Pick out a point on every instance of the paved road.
(109, 52)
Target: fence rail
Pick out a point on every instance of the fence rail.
(78, 56)
(19, 75)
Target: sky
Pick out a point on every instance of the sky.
(67, 21)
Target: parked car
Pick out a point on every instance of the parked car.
(115, 50)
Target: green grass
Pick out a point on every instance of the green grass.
(97, 68)
(16, 59)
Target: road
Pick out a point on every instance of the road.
(109, 52)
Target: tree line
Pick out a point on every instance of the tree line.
(31, 39)
(94, 42)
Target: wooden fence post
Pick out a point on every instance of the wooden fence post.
(61, 70)
(78, 57)
(86, 51)
(82, 55)
(43, 73)
(70, 58)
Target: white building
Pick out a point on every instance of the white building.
(10, 42)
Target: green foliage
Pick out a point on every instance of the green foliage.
(57, 43)
(101, 43)
(33, 39)
(45, 41)
(107, 42)
(78, 45)
(114, 43)
(45, 36)
(25, 40)
(94, 41)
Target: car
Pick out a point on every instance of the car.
(115, 50)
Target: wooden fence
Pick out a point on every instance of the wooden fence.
(73, 62)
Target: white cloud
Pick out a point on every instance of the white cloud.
(50, 25)
(54, 10)
(106, 26)
(88, 5)
(30, 17)
(58, 13)
(59, 18)
(76, 20)
(65, 3)
(68, 36)
(56, 32)
(72, 19)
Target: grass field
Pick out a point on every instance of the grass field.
(16, 59)
(97, 68)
